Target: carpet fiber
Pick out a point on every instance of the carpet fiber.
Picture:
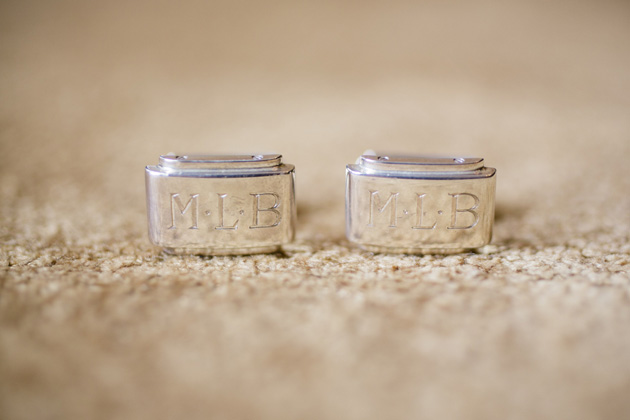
(96, 323)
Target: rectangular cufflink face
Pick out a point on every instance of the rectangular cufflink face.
(220, 205)
(425, 206)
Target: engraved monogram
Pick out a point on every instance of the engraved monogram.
(455, 210)
(420, 214)
(221, 213)
(459, 201)
(265, 211)
(192, 203)
(273, 209)
(374, 205)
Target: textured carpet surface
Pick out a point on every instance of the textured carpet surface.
(96, 323)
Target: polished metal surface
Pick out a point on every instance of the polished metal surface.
(419, 163)
(224, 162)
(220, 205)
(419, 204)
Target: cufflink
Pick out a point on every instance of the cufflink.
(220, 205)
(409, 204)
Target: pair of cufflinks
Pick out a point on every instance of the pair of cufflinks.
(245, 204)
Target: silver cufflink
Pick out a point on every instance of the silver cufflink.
(419, 204)
(220, 205)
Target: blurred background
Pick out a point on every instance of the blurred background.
(97, 90)
(96, 323)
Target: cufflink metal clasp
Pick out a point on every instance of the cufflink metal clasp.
(419, 204)
(220, 205)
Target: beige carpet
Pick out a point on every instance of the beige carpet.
(95, 323)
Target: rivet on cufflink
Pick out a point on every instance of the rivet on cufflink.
(407, 204)
(220, 205)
